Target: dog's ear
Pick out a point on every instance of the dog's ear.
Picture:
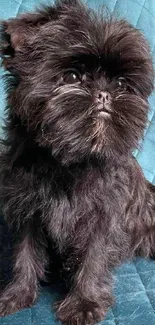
(16, 32)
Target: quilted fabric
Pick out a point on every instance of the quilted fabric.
(134, 282)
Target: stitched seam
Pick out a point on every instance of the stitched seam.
(140, 14)
(17, 1)
(144, 288)
(143, 6)
(18, 8)
(115, 5)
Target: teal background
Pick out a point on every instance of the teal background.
(134, 282)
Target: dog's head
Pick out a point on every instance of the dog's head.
(81, 81)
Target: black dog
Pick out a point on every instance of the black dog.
(78, 86)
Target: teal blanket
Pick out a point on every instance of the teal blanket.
(135, 282)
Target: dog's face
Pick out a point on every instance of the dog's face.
(82, 81)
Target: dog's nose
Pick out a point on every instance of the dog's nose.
(103, 97)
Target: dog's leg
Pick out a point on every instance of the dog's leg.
(91, 294)
(29, 265)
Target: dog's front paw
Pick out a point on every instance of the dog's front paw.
(8, 307)
(10, 304)
(78, 313)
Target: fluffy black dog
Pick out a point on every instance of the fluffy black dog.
(78, 86)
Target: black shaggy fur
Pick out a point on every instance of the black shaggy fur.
(78, 86)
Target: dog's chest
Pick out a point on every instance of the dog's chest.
(93, 197)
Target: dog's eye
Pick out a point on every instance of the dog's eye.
(71, 77)
(121, 82)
